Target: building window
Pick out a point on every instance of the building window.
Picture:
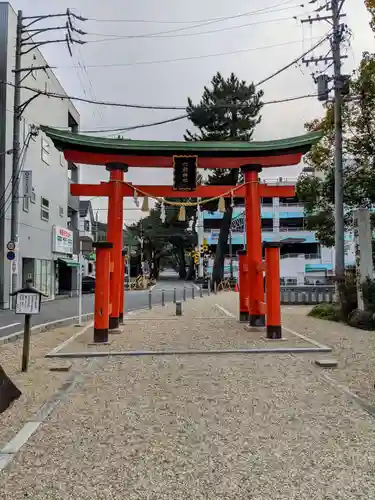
(61, 211)
(25, 203)
(45, 151)
(33, 197)
(44, 211)
(86, 225)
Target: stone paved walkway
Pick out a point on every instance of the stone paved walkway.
(202, 427)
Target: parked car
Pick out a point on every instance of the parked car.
(88, 283)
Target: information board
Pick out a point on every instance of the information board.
(185, 172)
(27, 303)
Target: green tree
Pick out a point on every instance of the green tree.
(317, 191)
(228, 111)
(163, 240)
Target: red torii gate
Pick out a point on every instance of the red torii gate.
(117, 155)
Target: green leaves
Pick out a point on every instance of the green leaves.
(317, 193)
(229, 110)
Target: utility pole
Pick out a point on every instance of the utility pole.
(16, 147)
(340, 85)
(26, 41)
(339, 184)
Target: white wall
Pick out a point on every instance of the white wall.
(50, 180)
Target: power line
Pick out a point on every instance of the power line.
(190, 58)
(165, 34)
(295, 61)
(177, 118)
(21, 161)
(142, 106)
(216, 19)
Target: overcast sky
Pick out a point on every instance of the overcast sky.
(270, 40)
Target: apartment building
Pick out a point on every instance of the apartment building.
(48, 245)
(303, 258)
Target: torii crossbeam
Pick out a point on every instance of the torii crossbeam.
(251, 157)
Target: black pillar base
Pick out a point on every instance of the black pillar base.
(244, 317)
(8, 391)
(100, 335)
(274, 332)
(113, 323)
(257, 320)
(121, 318)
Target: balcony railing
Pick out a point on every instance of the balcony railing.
(296, 204)
(308, 256)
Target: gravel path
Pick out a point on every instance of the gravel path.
(37, 385)
(260, 427)
(203, 326)
(353, 348)
(256, 427)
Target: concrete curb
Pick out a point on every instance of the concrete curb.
(45, 327)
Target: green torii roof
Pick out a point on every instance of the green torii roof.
(69, 140)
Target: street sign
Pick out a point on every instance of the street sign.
(11, 246)
(27, 303)
(14, 266)
(11, 255)
(27, 183)
(185, 172)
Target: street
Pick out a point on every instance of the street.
(68, 308)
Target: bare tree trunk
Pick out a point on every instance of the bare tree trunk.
(182, 270)
(218, 269)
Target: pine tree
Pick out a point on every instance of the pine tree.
(228, 111)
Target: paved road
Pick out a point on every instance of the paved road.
(67, 308)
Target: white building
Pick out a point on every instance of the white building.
(303, 258)
(47, 248)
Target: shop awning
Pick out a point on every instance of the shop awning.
(69, 262)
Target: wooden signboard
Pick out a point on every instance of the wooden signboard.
(185, 172)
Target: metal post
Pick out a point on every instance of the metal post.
(184, 296)
(230, 254)
(192, 292)
(149, 299)
(215, 287)
(339, 185)
(200, 233)
(162, 298)
(16, 144)
(201, 291)
(174, 295)
(26, 343)
(209, 287)
(179, 308)
(80, 285)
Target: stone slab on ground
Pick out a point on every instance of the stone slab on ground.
(326, 363)
(258, 427)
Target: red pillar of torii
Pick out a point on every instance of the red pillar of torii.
(117, 154)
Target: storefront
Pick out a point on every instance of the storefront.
(65, 265)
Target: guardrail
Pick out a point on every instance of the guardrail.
(308, 294)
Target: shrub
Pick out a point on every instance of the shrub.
(368, 290)
(362, 319)
(329, 312)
